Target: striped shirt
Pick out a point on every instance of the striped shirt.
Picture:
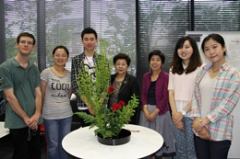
(225, 97)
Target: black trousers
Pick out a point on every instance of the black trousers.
(26, 143)
(206, 149)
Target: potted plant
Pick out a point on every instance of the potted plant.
(108, 120)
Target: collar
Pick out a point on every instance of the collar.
(16, 63)
(225, 66)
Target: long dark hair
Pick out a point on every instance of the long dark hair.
(195, 60)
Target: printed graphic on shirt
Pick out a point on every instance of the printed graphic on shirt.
(59, 89)
(89, 66)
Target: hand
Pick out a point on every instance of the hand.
(177, 116)
(179, 125)
(205, 121)
(146, 112)
(196, 125)
(153, 115)
(200, 128)
(33, 122)
(26, 120)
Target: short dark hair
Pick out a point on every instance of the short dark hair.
(27, 35)
(89, 30)
(216, 37)
(158, 53)
(60, 47)
(122, 56)
(195, 60)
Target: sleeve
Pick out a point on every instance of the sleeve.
(44, 75)
(227, 105)
(195, 112)
(164, 101)
(73, 77)
(5, 76)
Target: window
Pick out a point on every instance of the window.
(115, 22)
(64, 23)
(20, 16)
(217, 16)
(160, 26)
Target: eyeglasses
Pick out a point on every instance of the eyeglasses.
(26, 42)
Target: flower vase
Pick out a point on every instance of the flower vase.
(122, 138)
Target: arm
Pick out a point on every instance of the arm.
(177, 116)
(43, 87)
(38, 104)
(229, 102)
(15, 105)
(171, 93)
(90, 108)
(162, 92)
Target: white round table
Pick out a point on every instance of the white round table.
(3, 131)
(82, 143)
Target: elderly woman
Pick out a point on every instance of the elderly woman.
(124, 85)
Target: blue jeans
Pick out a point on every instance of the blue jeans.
(56, 129)
(184, 141)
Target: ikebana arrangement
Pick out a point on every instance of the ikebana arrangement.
(108, 120)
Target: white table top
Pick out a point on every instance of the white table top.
(3, 131)
(83, 143)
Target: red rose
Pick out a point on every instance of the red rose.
(116, 106)
(110, 89)
(121, 102)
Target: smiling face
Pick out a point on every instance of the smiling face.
(89, 42)
(155, 63)
(25, 45)
(185, 52)
(121, 66)
(214, 51)
(60, 57)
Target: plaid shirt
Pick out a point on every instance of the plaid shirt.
(225, 98)
(77, 66)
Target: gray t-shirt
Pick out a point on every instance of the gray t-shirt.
(56, 104)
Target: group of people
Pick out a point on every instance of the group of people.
(190, 106)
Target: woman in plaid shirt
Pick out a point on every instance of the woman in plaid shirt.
(217, 91)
